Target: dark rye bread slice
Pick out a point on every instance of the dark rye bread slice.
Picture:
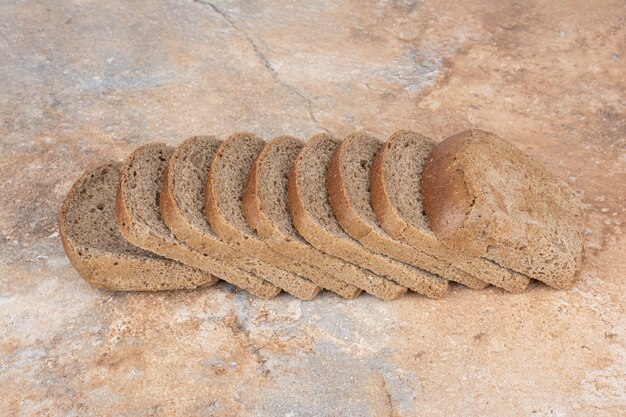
(313, 216)
(266, 207)
(485, 196)
(224, 190)
(182, 209)
(99, 252)
(397, 201)
(139, 218)
(349, 172)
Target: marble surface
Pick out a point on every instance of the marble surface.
(82, 81)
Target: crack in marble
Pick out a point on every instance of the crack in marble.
(392, 412)
(265, 62)
(264, 345)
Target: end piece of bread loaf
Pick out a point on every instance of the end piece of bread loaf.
(99, 252)
(397, 202)
(225, 186)
(139, 217)
(313, 215)
(350, 168)
(485, 196)
(182, 210)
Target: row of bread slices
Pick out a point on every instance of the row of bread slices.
(343, 216)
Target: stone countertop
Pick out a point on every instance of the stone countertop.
(83, 81)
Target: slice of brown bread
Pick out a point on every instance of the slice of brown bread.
(99, 252)
(485, 196)
(138, 215)
(349, 172)
(313, 216)
(397, 203)
(266, 207)
(224, 190)
(182, 209)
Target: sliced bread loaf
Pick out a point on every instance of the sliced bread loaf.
(485, 196)
(99, 252)
(224, 190)
(182, 209)
(314, 218)
(397, 201)
(139, 217)
(266, 207)
(349, 186)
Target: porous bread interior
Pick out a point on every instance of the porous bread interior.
(231, 178)
(190, 171)
(403, 182)
(273, 178)
(356, 166)
(314, 185)
(143, 187)
(90, 218)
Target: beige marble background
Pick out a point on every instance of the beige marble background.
(82, 81)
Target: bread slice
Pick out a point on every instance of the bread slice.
(139, 218)
(484, 196)
(313, 216)
(266, 207)
(349, 187)
(99, 252)
(224, 190)
(182, 209)
(397, 202)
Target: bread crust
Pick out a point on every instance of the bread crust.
(397, 226)
(214, 217)
(447, 201)
(301, 218)
(345, 213)
(251, 203)
(386, 214)
(484, 196)
(168, 206)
